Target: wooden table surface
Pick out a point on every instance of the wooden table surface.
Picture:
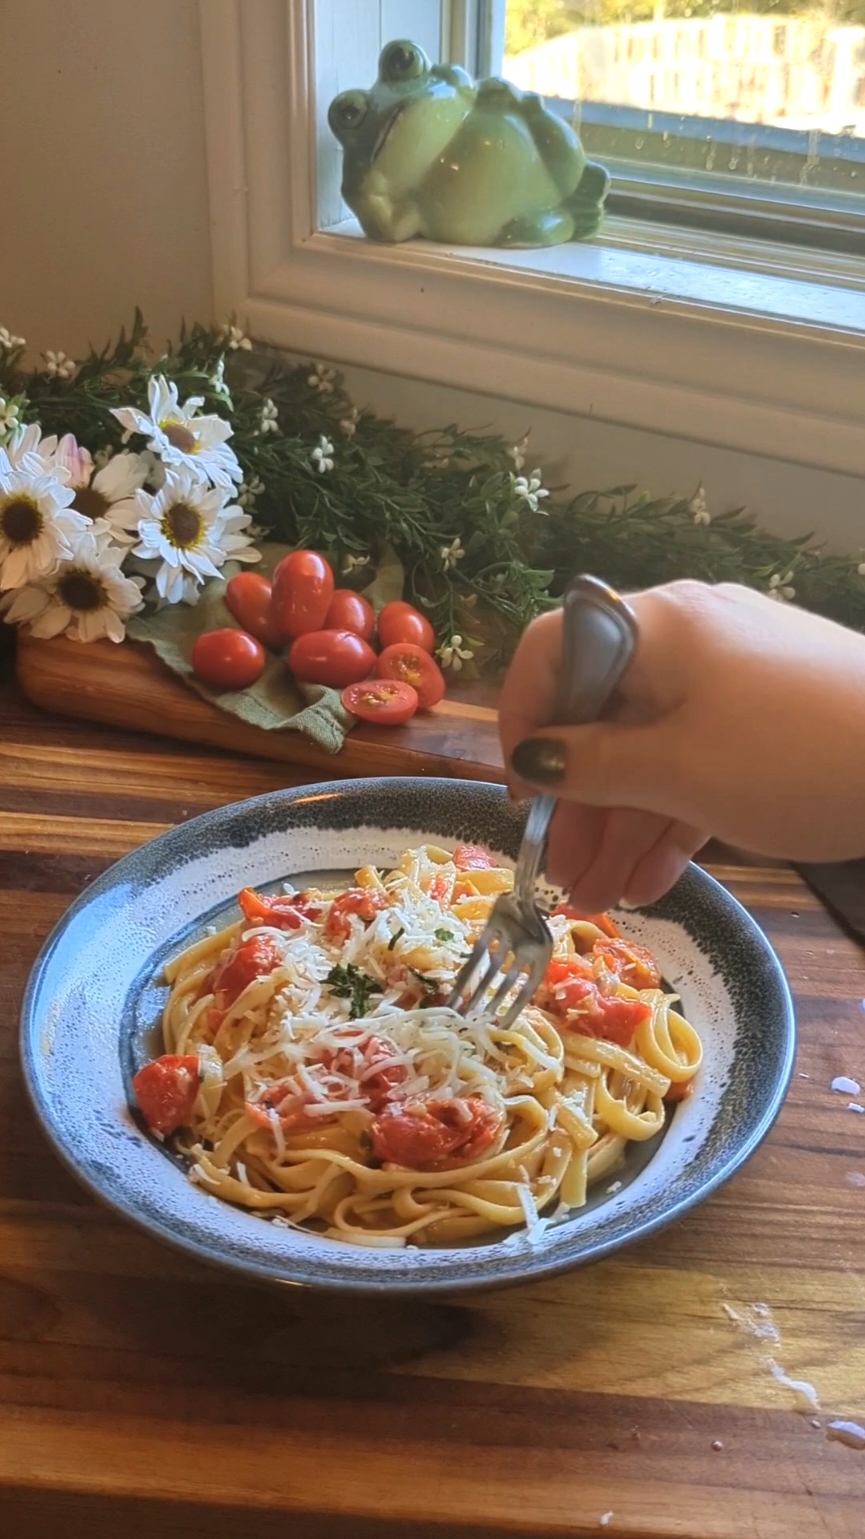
(141, 1394)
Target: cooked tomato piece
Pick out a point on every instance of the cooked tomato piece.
(417, 1134)
(290, 1100)
(388, 702)
(250, 959)
(373, 1064)
(633, 963)
(363, 901)
(570, 992)
(470, 857)
(603, 921)
(439, 887)
(682, 1091)
(166, 1091)
(280, 910)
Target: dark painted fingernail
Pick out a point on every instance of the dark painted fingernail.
(542, 760)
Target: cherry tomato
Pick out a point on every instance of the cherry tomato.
(248, 598)
(374, 1066)
(399, 621)
(412, 665)
(336, 658)
(602, 921)
(302, 590)
(166, 1091)
(570, 992)
(248, 960)
(470, 857)
(282, 911)
(632, 963)
(350, 611)
(228, 659)
(363, 901)
(290, 1100)
(386, 701)
(420, 1133)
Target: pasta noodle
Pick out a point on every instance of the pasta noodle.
(314, 1073)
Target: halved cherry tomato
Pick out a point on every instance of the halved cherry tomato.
(166, 1091)
(399, 621)
(633, 963)
(470, 857)
(412, 665)
(417, 1134)
(350, 611)
(603, 921)
(570, 991)
(282, 910)
(302, 590)
(248, 960)
(363, 901)
(228, 659)
(373, 1064)
(336, 658)
(290, 1100)
(385, 701)
(248, 597)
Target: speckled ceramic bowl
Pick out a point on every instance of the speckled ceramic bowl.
(94, 999)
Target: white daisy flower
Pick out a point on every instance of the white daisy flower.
(28, 447)
(108, 492)
(517, 453)
(234, 338)
(699, 507)
(451, 554)
(85, 598)
(8, 342)
(322, 457)
(779, 587)
(453, 654)
(180, 436)
(190, 530)
(37, 524)
(530, 488)
(348, 425)
(351, 563)
(321, 379)
(269, 417)
(58, 366)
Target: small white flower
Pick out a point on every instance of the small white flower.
(451, 554)
(180, 436)
(217, 381)
(249, 492)
(453, 654)
(779, 587)
(321, 379)
(699, 507)
(530, 488)
(85, 598)
(322, 457)
(351, 563)
(9, 411)
(269, 417)
(518, 452)
(37, 524)
(189, 528)
(8, 342)
(107, 493)
(234, 338)
(348, 425)
(58, 366)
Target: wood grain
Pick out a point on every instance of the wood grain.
(141, 1393)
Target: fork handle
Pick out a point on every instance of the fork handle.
(599, 635)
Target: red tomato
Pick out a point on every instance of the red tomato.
(571, 993)
(290, 1101)
(350, 611)
(680, 1090)
(375, 1068)
(385, 701)
(336, 658)
(249, 959)
(632, 963)
(439, 887)
(302, 590)
(470, 857)
(412, 665)
(603, 921)
(420, 1133)
(363, 901)
(248, 597)
(402, 622)
(228, 659)
(281, 911)
(166, 1091)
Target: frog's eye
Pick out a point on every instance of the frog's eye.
(403, 61)
(348, 111)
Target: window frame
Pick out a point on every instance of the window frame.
(683, 333)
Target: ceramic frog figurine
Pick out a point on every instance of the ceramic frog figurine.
(428, 151)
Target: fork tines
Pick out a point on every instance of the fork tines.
(512, 953)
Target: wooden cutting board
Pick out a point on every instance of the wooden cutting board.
(127, 686)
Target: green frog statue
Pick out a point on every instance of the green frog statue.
(428, 151)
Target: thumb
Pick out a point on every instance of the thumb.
(607, 764)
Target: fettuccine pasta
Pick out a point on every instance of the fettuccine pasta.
(314, 1073)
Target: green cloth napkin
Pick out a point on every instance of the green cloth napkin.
(276, 702)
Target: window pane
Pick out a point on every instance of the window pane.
(766, 91)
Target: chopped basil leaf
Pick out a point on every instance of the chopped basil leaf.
(395, 937)
(444, 935)
(350, 983)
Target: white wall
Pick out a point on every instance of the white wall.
(103, 204)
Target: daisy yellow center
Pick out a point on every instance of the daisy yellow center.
(182, 526)
(21, 520)
(180, 437)
(81, 590)
(90, 502)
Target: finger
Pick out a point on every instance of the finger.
(660, 868)
(530, 690)
(627, 838)
(575, 833)
(608, 764)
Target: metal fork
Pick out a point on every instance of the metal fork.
(599, 634)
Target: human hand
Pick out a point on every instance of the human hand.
(738, 717)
